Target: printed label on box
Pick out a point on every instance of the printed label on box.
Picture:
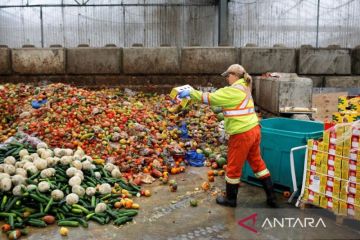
(315, 184)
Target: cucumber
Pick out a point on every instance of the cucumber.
(98, 219)
(36, 215)
(112, 214)
(76, 211)
(3, 202)
(10, 204)
(37, 198)
(68, 223)
(79, 220)
(84, 210)
(11, 221)
(48, 205)
(36, 223)
(122, 220)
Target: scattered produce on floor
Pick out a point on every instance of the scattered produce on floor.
(70, 155)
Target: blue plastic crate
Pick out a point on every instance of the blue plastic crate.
(278, 136)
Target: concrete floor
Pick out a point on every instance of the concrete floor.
(168, 215)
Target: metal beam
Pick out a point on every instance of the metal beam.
(42, 27)
(317, 24)
(111, 5)
(223, 23)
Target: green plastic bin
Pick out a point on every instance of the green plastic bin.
(278, 137)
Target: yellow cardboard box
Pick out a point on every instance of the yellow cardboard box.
(318, 158)
(316, 200)
(350, 210)
(355, 142)
(326, 137)
(353, 103)
(338, 162)
(342, 103)
(325, 158)
(345, 117)
(335, 150)
(175, 92)
(305, 197)
(323, 202)
(346, 152)
(344, 174)
(343, 208)
(335, 205)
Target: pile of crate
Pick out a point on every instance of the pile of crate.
(333, 171)
(348, 109)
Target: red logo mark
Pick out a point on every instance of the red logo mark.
(251, 217)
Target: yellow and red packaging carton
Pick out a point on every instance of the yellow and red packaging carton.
(350, 209)
(323, 201)
(342, 103)
(352, 176)
(343, 208)
(354, 142)
(333, 204)
(335, 150)
(352, 188)
(333, 172)
(345, 117)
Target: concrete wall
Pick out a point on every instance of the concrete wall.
(342, 81)
(355, 60)
(38, 60)
(94, 60)
(171, 66)
(139, 60)
(5, 65)
(325, 61)
(195, 60)
(262, 60)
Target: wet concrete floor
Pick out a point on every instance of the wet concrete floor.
(168, 215)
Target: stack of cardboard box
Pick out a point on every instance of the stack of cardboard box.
(348, 109)
(333, 170)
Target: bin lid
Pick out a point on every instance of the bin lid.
(292, 126)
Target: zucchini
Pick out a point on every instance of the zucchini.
(122, 220)
(83, 210)
(10, 204)
(37, 198)
(7, 214)
(36, 215)
(79, 220)
(3, 202)
(111, 214)
(93, 201)
(98, 219)
(48, 205)
(68, 223)
(88, 217)
(11, 221)
(36, 223)
(76, 211)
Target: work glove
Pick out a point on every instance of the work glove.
(184, 93)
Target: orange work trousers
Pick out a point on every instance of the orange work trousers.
(241, 147)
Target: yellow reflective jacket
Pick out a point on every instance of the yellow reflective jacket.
(237, 106)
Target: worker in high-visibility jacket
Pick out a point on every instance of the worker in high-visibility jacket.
(242, 124)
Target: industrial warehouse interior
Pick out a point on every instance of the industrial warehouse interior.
(179, 119)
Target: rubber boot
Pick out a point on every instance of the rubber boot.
(269, 190)
(231, 195)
